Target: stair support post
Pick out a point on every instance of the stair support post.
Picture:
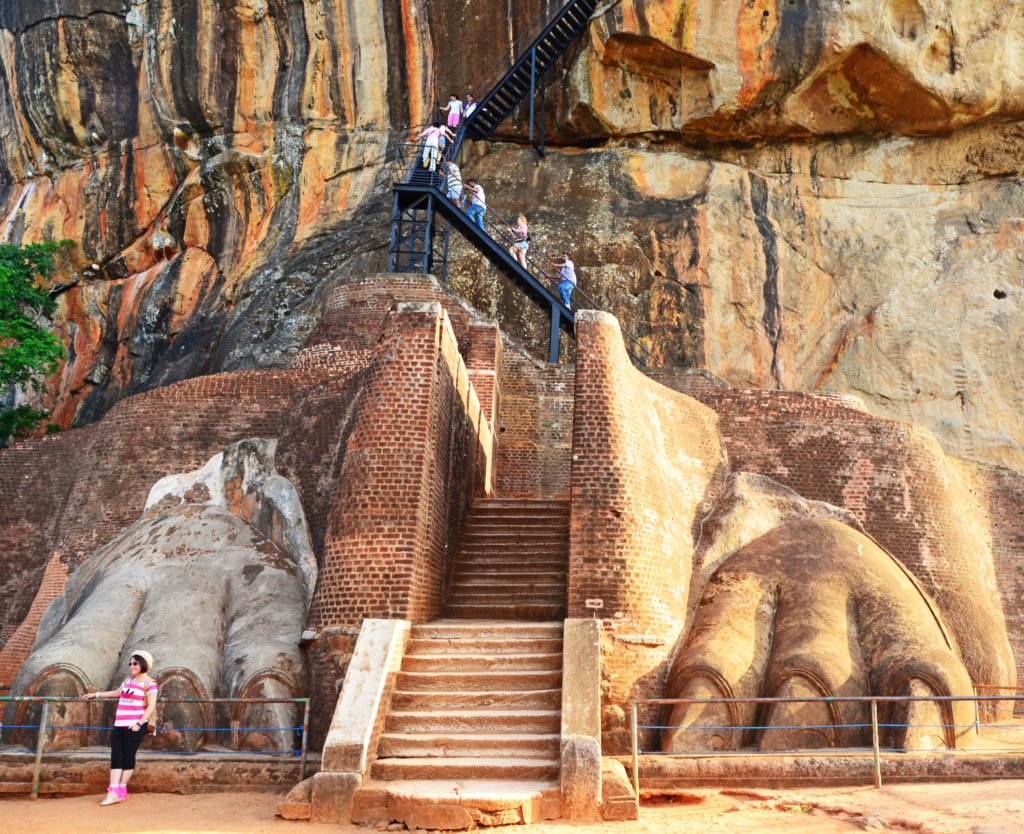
(396, 216)
(428, 236)
(533, 91)
(444, 257)
(556, 334)
(542, 120)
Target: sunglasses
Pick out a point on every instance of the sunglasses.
(133, 663)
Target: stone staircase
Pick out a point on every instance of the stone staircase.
(473, 733)
(512, 564)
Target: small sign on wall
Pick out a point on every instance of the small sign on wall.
(594, 603)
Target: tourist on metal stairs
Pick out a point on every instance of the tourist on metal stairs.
(477, 203)
(567, 278)
(454, 110)
(432, 137)
(454, 180)
(521, 237)
(470, 106)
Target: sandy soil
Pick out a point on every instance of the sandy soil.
(962, 808)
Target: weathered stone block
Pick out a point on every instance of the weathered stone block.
(293, 810)
(618, 800)
(581, 777)
(332, 797)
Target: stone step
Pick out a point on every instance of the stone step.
(483, 504)
(478, 662)
(484, 645)
(453, 767)
(549, 591)
(522, 612)
(433, 699)
(514, 535)
(511, 564)
(476, 721)
(486, 681)
(497, 629)
(496, 593)
(515, 547)
(521, 573)
(557, 526)
(456, 805)
(512, 745)
(521, 605)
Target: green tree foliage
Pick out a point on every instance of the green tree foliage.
(29, 352)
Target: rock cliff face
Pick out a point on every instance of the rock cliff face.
(791, 194)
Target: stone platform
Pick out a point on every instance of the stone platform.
(665, 775)
(455, 805)
(85, 771)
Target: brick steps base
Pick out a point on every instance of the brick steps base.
(467, 767)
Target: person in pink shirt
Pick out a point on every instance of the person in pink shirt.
(136, 705)
(432, 137)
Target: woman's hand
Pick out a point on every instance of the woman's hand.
(85, 695)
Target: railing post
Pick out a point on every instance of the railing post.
(305, 737)
(556, 333)
(874, 744)
(636, 751)
(542, 121)
(396, 219)
(533, 88)
(977, 713)
(40, 742)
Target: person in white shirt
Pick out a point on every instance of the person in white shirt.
(454, 111)
(454, 180)
(477, 202)
(567, 278)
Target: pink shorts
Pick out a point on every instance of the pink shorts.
(453, 119)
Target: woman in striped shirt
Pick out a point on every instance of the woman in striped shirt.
(135, 707)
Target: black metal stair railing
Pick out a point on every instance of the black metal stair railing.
(515, 75)
(539, 264)
(417, 236)
(420, 192)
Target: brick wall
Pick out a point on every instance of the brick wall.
(418, 437)
(18, 642)
(534, 425)
(644, 462)
(419, 448)
(355, 310)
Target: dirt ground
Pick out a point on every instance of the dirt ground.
(960, 808)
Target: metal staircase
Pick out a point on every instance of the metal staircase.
(549, 37)
(422, 211)
(419, 194)
(423, 218)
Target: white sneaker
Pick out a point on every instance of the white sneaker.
(112, 797)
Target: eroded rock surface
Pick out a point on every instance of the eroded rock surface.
(214, 163)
